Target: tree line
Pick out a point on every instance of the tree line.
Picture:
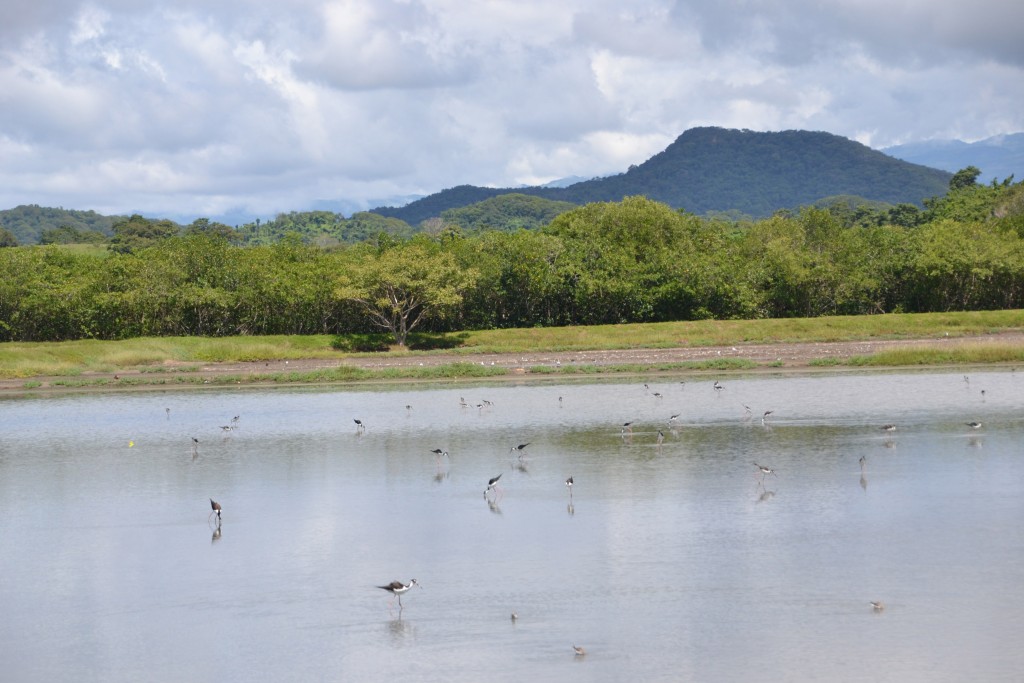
(609, 262)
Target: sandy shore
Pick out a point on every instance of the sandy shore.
(777, 356)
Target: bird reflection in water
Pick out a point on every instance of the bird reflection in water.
(765, 496)
(863, 480)
(493, 506)
(570, 508)
(216, 534)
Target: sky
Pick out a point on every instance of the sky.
(254, 107)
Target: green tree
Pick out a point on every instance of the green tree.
(402, 286)
(137, 232)
(965, 177)
(207, 227)
(7, 238)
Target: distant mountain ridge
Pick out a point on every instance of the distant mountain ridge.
(998, 157)
(717, 169)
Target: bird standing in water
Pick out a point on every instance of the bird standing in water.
(492, 485)
(216, 509)
(398, 588)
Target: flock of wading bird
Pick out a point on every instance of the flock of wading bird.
(493, 492)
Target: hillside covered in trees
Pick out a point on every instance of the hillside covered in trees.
(734, 174)
(717, 169)
(634, 260)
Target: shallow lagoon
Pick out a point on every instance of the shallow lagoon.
(669, 562)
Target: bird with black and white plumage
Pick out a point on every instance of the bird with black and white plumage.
(492, 485)
(217, 509)
(397, 588)
(360, 426)
(519, 449)
(717, 386)
(627, 428)
(974, 425)
(661, 437)
(888, 428)
(764, 418)
(877, 605)
(765, 470)
(569, 484)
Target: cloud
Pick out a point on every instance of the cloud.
(201, 107)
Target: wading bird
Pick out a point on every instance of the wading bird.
(492, 485)
(974, 425)
(398, 588)
(216, 509)
(764, 471)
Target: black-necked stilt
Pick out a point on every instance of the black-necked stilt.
(863, 461)
(215, 506)
(359, 425)
(673, 418)
(627, 427)
(974, 425)
(717, 385)
(438, 454)
(888, 428)
(764, 418)
(764, 470)
(519, 448)
(398, 588)
(877, 605)
(578, 650)
(492, 485)
(661, 437)
(168, 413)
(514, 616)
(236, 418)
(568, 484)
(226, 428)
(657, 394)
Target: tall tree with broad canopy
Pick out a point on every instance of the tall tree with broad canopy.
(402, 285)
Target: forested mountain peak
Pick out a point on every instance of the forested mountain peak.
(719, 169)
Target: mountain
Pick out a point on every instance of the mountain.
(28, 221)
(998, 157)
(718, 169)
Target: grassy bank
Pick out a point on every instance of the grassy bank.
(181, 355)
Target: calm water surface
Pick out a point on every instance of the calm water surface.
(671, 562)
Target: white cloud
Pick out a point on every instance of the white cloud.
(197, 107)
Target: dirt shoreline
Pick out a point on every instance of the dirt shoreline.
(777, 357)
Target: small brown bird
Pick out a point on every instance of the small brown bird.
(578, 650)
(877, 606)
